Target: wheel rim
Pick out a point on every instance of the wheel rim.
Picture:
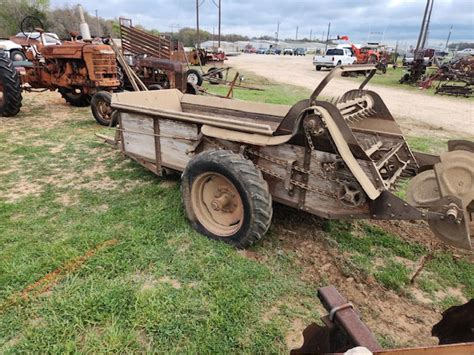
(193, 78)
(17, 57)
(217, 204)
(104, 110)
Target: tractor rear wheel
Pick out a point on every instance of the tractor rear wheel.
(75, 97)
(101, 110)
(10, 89)
(226, 198)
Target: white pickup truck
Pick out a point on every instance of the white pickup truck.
(333, 58)
(15, 52)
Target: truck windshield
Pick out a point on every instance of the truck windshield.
(335, 52)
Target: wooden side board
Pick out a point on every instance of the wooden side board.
(176, 139)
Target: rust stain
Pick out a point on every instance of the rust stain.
(52, 278)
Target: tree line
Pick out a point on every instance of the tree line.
(64, 20)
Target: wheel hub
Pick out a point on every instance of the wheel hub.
(217, 204)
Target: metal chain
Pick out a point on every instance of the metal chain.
(297, 168)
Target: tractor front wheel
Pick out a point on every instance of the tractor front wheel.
(226, 198)
(194, 77)
(10, 89)
(101, 110)
(75, 97)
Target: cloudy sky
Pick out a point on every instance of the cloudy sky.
(360, 19)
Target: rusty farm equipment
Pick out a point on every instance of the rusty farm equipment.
(455, 78)
(337, 160)
(343, 330)
(77, 69)
(158, 62)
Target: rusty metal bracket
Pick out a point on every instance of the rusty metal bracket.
(334, 310)
(289, 175)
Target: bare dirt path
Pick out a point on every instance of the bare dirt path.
(453, 114)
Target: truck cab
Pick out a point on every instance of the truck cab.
(334, 57)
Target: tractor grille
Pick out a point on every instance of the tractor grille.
(105, 66)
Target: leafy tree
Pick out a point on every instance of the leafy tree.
(12, 13)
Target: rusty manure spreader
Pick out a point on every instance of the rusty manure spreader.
(337, 160)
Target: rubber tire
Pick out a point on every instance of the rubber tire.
(197, 73)
(339, 64)
(192, 89)
(318, 68)
(76, 100)
(102, 96)
(17, 52)
(212, 79)
(11, 88)
(247, 179)
(155, 87)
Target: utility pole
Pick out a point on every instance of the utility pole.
(99, 32)
(172, 27)
(219, 30)
(327, 38)
(278, 31)
(296, 37)
(322, 37)
(310, 35)
(197, 24)
(449, 37)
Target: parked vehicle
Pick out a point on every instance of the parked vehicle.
(14, 51)
(277, 51)
(270, 51)
(465, 53)
(407, 60)
(336, 160)
(334, 57)
(299, 51)
(288, 51)
(261, 50)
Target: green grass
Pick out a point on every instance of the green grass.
(160, 285)
(269, 92)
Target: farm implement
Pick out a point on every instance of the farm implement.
(455, 78)
(77, 69)
(342, 159)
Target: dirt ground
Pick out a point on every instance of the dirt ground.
(454, 114)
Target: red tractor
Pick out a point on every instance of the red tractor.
(78, 69)
(371, 54)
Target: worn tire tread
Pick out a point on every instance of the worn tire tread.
(255, 185)
(11, 88)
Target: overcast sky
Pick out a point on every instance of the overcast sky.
(394, 19)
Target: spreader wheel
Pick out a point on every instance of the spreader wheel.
(448, 189)
(101, 109)
(226, 198)
(10, 89)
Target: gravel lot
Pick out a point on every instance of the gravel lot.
(452, 114)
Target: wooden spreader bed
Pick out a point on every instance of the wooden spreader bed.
(341, 160)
